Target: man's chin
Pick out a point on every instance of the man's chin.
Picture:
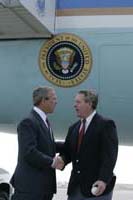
(78, 115)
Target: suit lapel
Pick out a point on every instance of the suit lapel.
(42, 125)
(90, 130)
(75, 133)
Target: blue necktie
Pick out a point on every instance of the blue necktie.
(49, 128)
(48, 123)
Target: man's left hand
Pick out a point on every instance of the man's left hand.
(101, 186)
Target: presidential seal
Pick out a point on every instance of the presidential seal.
(65, 60)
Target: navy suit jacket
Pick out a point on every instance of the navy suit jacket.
(97, 156)
(33, 173)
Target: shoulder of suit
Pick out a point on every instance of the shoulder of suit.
(106, 120)
(30, 119)
(26, 120)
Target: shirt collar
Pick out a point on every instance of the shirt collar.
(89, 118)
(40, 113)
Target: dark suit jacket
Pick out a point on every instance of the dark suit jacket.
(96, 158)
(33, 173)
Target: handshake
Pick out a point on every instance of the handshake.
(58, 163)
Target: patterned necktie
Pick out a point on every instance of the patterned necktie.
(49, 128)
(48, 123)
(81, 133)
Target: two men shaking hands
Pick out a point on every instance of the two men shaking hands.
(58, 162)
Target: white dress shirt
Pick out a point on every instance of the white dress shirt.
(89, 118)
(41, 114)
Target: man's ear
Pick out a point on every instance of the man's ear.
(90, 104)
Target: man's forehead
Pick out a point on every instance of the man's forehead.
(79, 96)
(51, 92)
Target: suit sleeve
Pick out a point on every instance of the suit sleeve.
(27, 140)
(66, 153)
(109, 150)
(59, 146)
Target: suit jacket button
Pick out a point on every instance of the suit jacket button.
(78, 172)
(77, 161)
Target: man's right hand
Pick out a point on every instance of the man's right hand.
(58, 163)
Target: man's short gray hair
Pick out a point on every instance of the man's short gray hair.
(40, 93)
(90, 96)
